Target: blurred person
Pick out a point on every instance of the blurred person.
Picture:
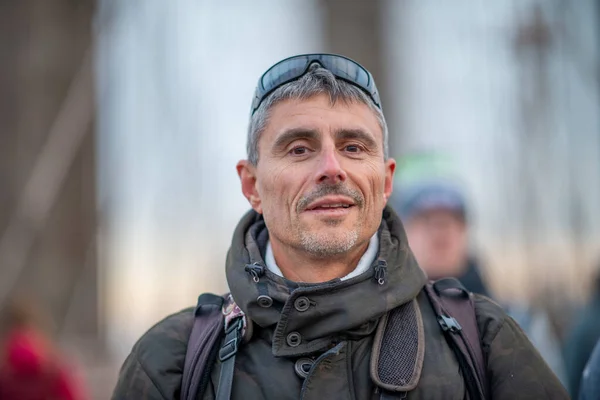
(581, 339)
(590, 380)
(434, 214)
(319, 267)
(437, 226)
(31, 367)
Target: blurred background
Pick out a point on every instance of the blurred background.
(121, 123)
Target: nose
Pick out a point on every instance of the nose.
(330, 169)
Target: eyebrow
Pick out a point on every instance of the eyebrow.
(359, 134)
(294, 134)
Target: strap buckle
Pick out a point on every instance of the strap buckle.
(232, 340)
(449, 324)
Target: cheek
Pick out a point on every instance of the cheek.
(376, 172)
(370, 178)
(274, 188)
(415, 241)
(459, 241)
(377, 184)
(418, 235)
(268, 197)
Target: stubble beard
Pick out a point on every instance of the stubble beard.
(325, 244)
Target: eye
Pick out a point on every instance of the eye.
(352, 148)
(298, 151)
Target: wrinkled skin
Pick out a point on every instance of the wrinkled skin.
(313, 152)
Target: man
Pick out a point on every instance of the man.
(435, 216)
(320, 261)
(434, 212)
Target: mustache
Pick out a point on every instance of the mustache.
(328, 189)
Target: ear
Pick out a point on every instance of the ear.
(390, 168)
(247, 173)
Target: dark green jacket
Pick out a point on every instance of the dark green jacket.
(337, 332)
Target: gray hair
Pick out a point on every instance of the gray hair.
(316, 81)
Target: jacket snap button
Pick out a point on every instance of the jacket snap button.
(293, 339)
(303, 366)
(302, 304)
(264, 301)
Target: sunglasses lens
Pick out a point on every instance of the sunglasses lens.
(283, 72)
(348, 70)
(293, 68)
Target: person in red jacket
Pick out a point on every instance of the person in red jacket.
(30, 365)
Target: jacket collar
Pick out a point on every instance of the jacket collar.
(311, 317)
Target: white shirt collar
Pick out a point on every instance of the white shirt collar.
(363, 265)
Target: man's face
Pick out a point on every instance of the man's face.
(321, 182)
(438, 239)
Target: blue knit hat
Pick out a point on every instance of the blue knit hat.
(429, 196)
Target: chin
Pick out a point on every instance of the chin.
(334, 241)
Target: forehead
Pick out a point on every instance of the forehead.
(317, 113)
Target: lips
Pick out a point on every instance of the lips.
(325, 206)
(330, 203)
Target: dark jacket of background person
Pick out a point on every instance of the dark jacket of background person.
(590, 381)
(338, 331)
(471, 279)
(536, 324)
(581, 341)
(425, 197)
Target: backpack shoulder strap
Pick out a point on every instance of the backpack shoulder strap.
(398, 351)
(215, 317)
(201, 349)
(455, 310)
(236, 326)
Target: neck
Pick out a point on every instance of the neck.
(299, 266)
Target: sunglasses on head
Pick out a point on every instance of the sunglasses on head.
(293, 68)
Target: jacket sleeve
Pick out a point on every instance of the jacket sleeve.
(154, 368)
(134, 382)
(516, 370)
